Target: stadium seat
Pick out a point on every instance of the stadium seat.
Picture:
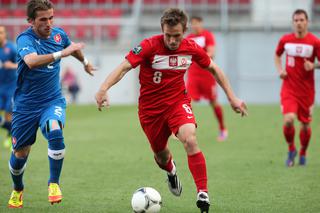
(4, 13)
(99, 13)
(19, 13)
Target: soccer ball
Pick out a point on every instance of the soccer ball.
(146, 200)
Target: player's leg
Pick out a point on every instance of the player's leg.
(183, 123)
(305, 135)
(289, 133)
(24, 130)
(158, 132)
(209, 91)
(165, 161)
(197, 164)
(304, 116)
(52, 123)
(218, 111)
(289, 107)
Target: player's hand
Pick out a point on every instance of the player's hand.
(72, 48)
(308, 65)
(102, 99)
(89, 68)
(239, 106)
(283, 74)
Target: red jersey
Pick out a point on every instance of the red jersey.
(204, 39)
(162, 71)
(299, 82)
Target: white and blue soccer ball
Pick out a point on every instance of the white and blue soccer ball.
(146, 200)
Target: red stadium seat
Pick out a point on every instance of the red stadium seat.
(99, 13)
(19, 13)
(83, 13)
(66, 13)
(4, 13)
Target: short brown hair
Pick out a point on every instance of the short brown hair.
(174, 16)
(197, 18)
(35, 5)
(300, 11)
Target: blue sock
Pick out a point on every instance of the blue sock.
(17, 167)
(56, 150)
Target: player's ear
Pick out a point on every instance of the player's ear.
(185, 29)
(30, 20)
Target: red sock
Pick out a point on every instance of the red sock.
(288, 132)
(197, 166)
(168, 167)
(219, 114)
(305, 136)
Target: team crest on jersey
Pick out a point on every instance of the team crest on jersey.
(136, 50)
(173, 61)
(299, 49)
(57, 38)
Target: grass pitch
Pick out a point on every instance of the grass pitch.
(108, 158)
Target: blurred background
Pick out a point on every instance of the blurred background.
(246, 32)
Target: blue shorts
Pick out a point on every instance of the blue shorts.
(25, 125)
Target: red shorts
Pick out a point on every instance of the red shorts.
(298, 106)
(159, 128)
(202, 88)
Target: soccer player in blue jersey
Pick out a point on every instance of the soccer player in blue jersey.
(8, 77)
(38, 101)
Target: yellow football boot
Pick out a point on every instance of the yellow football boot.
(55, 195)
(15, 200)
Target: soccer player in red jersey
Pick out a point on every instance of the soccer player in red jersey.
(164, 105)
(298, 87)
(200, 83)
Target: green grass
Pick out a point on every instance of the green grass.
(108, 158)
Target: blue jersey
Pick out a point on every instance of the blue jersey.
(8, 77)
(38, 87)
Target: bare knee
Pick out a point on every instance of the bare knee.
(289, 119)
(23, 152)
(187, 135)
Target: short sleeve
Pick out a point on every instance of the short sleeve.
(210, 40)
(280, 47)
(66, 39)
(318, 49)
(25, 46)
(139, 53)
(201, 57)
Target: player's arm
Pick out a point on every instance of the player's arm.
(10, 65)
(238, 105)
(34, 60)
(88, 67)
(211, 51)
(115, 76)
(278, 62)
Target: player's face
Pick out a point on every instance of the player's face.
(300, 23)
(172, 36)
(196, 26)
(2, 35)
(43, 22)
